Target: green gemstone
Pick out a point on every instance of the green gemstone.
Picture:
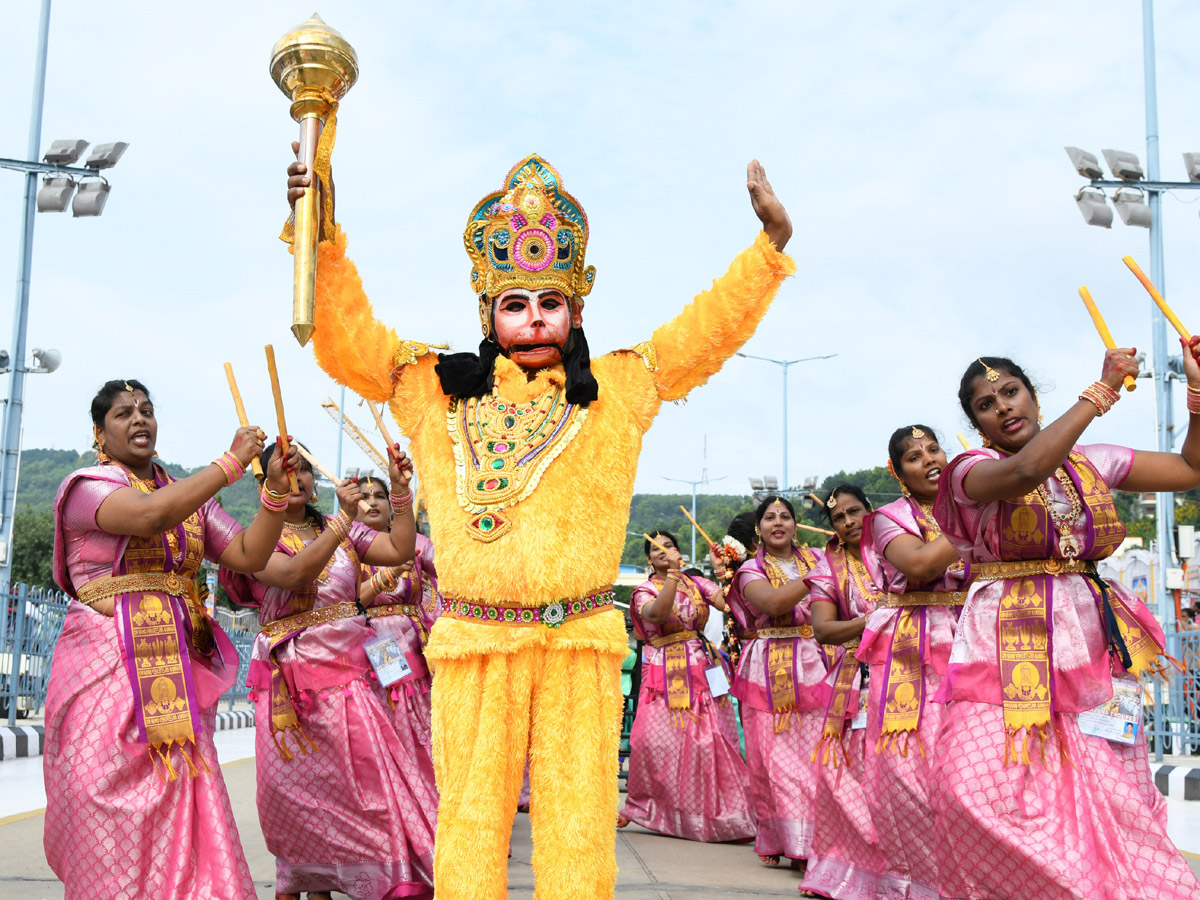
(509, 421)
(497, 464)
(486, 523)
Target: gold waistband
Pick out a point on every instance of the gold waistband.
(393, 609)
(923, 598)
(280, 627)
(1023, 568)
(110, 585)
(665, 640)
(791, 631)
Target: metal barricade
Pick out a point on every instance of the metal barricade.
(243, 642)
(29, 628)
(1173, 713)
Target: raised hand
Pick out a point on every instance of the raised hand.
(298, 180)
(278, 468)
(349, 495)
(767, 207)
(247, 444)
(400, 470)
(1117, 364)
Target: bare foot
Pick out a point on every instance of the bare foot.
(771, 860)
(622, 821)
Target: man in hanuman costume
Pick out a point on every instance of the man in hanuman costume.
(527, 453)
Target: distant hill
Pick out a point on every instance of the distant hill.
(42, 471)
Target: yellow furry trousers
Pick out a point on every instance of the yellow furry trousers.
(563, 707)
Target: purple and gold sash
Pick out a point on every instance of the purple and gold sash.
(155, 629)
(285, 720)
(847, 579)
(902, 697)
(783, 656)
(1025, 625)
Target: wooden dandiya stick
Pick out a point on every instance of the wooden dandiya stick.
(1102, 327)
(817, 500)
(324, 470)
(283, 432)
(962, 440)
(815, 528)
(255, 464)
(387, 438)
(1157, 297)
(696, 525)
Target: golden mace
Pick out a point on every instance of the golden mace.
(315, 67)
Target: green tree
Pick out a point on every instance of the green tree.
(33, 547)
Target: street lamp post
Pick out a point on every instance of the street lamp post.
(704, 480)
(785, 364)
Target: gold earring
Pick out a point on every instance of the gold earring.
(987, 441)
(904, 489)
(102, 458)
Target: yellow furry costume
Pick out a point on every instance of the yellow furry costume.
(502, 689)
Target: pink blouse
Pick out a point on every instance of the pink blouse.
(686, 615)
(1082, 671)
(751, 684)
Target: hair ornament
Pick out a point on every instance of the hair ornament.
(832, 502)
(991, 374)
(917, 433)
(529, 234)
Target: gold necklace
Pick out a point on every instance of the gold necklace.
(776, 573)
(1068, 544)
(302, 526)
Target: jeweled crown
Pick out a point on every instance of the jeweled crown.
(531, 234)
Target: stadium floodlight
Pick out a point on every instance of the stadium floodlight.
(1124, 165)
(64, 153)
(90, 199)
(55, 195)
(1131, 206)
(770, 482)
(1094, 206)
(756, 484)
(45, 361)
(1086, 164)
(1191, 162)
(105, 156)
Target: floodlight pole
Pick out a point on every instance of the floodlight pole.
(693, 484)
(785, 364)
(10, 441)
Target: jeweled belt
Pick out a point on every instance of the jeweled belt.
(1025, 568)
(343, 610)
(666, 640)
(923, 598)
(552, 615)
(393, 609)
(791, 631)
(110, 585)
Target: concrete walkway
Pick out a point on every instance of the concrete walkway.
(652, 867)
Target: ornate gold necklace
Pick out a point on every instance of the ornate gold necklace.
(776, 573)
(1068, 544)
(502, 449)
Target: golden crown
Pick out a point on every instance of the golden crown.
(531, 234)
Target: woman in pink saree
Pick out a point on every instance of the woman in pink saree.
(779, 670)
(401, 604)
(906, 642)
(336, 795)
(686, 774)
(845, 860)
(1027, 803)
(135, 802)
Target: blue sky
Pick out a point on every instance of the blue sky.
(918, 148)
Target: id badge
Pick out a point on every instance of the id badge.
(860, 719)
(387, 659)
(718, 683)
(1119, 719)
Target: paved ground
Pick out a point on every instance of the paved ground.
(652, 867)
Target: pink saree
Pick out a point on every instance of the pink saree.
(1076, 816)
(341, 803)
(845, 860)
(780, 704)
(402, 615)
(116, 825)
(913, 642)
(688, 782)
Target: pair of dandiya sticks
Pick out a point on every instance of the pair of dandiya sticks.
(283, 432)
(1102, 328)
(710, 541)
